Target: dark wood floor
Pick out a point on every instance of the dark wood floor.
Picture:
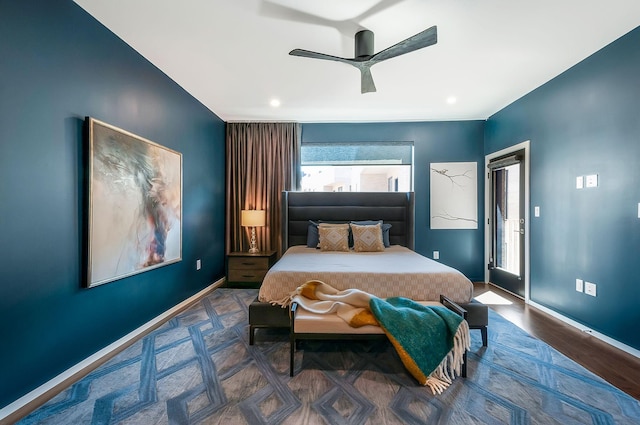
(618, 367)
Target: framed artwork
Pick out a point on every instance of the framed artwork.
(134, 204)
(454, 195)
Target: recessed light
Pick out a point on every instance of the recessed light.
(451, 100)
(275, 103)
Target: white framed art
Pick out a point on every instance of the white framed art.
(454, 195)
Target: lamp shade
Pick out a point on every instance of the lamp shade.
(253, 218)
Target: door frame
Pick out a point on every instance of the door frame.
(488, 205)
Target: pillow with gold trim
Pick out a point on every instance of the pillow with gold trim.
(333, 237)
(367, 238)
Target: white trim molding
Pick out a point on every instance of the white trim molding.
(583, 328)
(23, 405)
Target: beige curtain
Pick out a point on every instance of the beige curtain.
(262, 160)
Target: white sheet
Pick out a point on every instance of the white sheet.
(397, 271)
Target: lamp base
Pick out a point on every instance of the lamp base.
(253, 248)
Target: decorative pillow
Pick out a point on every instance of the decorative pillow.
(385, 229)
(313, 238)
(334, 237)
(367, 238)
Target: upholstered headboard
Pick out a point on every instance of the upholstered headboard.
(395, 208)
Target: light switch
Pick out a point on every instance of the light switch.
(591, 180)
(536, 211)
(436, 255)
(579, 285)
(579, 182)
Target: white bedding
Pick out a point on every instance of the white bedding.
(397, 271)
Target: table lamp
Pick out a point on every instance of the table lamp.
(253, 219)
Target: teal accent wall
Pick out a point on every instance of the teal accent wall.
(455, 141)
(58, 65)
(584, 121)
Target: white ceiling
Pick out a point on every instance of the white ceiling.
(232, 55)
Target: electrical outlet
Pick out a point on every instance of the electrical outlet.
(198, 264)
(436, 255)
(579, 285)
(590, 289)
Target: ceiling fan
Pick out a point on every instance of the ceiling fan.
(365, 58)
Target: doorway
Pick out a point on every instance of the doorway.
(508, 220)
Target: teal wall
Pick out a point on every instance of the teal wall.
(585, 121)
(456, 141)
(58, 65)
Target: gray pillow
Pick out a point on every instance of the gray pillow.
(313, 237)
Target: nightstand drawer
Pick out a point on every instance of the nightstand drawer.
(245, 263)
(246, 275)
(245, 269)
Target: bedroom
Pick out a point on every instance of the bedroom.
(56, 71)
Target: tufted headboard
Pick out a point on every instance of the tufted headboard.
(395, 208)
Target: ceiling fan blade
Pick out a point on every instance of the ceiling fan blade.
(377, 8)
(366, 81)
(346, 28)
(425, 38)
(316, 55)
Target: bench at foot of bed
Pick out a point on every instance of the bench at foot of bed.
(305, 325)
(265, 315)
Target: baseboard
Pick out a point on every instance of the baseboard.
(25, 404)
(583, 328)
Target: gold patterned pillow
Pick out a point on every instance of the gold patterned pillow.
(334, 237)
(367, 238)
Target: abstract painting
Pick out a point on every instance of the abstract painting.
(454, 195)
(134, 204)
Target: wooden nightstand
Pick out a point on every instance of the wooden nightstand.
(247, 270)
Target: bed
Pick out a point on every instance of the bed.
(396, 271)
(423, 279)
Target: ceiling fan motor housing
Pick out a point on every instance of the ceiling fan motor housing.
(364, 43)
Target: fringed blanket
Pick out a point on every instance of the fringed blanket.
(430, 340)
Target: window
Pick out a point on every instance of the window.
(357, 167)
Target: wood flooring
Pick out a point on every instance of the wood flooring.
(618, 367)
